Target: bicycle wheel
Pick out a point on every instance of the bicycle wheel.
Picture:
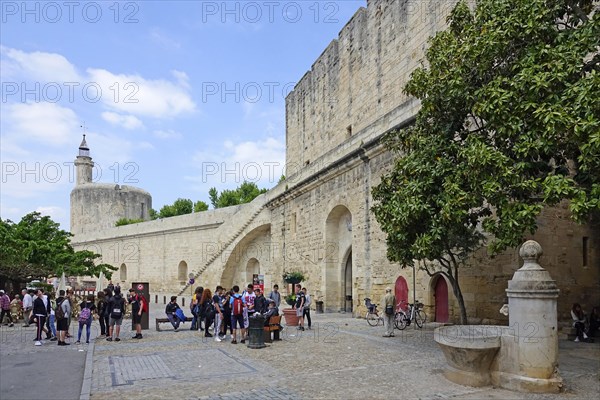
(420, 318)
(400, 320)
(372, 319)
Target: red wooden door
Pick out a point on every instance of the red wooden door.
(401, 291)
(441, 300)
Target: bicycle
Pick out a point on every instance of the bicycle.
(372, 316)
(403, 318)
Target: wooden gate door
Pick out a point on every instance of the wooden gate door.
(441, 300)
(401, 291)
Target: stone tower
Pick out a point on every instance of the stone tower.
(98, 206)
(84, 164)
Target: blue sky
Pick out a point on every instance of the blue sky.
(176, 96)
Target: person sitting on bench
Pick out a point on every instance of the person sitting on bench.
(171, 311)
(272, 311)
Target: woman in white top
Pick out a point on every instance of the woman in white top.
(578, 322)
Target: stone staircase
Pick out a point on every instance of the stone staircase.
(223, 248)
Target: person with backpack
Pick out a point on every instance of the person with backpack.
(195, 309)
(85, 318)
(5, 305)
(249, 298)
(139, 305)
(101, 309)
(238, 304)
(116, 310)
(108, 294)
(226, 310)
(62, 313)
(171, 311)
(205, 311)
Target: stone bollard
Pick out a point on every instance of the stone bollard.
(528, 358)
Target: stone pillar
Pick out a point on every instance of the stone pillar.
(528, 360)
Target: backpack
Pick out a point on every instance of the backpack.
(59, 312)
(117, 311)
(238, 306)
(145, 307)
(85, 315)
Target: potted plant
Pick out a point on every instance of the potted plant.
(293, 277)
(291, 319)
(290, 299)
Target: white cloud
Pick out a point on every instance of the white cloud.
(182, 78)
(126, 121)
(261, 162)
(161, 38)
(136, 95)
(168, 134)
(124, 93)
(38, 66)
(44, 122)
(54, 212)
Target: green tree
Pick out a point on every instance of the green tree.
(179, 207)
(245, 193)
(200, 206)
(213, 195)
(509, 123)
(36, 248)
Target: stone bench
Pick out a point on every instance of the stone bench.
(165, 320)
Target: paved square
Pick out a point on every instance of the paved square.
(124, 370)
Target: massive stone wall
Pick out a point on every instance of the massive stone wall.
(359, 78)
(98, 206)
(335, 116)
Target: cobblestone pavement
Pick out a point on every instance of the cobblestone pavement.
(340, 358)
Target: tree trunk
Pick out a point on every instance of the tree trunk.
(461, 301)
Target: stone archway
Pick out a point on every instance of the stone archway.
(251, 254)
(182, 272)
(123, 272)
(252, 267)
(338, 250)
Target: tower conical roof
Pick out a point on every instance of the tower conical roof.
(83, 145)
(84, 150)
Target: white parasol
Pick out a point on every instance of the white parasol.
(100, 283)
(62, 283)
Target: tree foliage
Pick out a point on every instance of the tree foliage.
(245, 193)
(36, 248)
(179, 207)
(127, 221)
(509, 123)
(200, 206)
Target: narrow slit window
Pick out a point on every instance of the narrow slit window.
(585, 250)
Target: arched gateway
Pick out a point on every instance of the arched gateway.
(337, 285)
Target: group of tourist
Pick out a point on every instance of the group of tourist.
(53, 317)
(231, 309)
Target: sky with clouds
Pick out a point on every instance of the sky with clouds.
(175, 97)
